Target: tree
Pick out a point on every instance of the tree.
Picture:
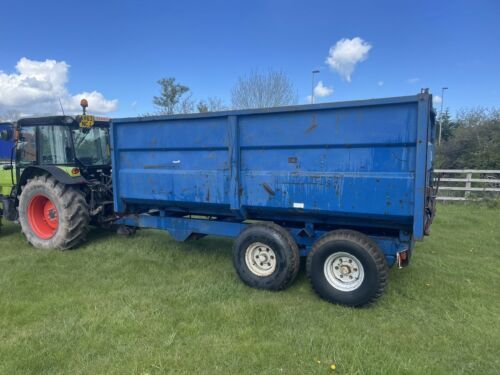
(174, 97)
(263, 90)
(212, 104)
(447, 126)
(474, 142)
(202, 106)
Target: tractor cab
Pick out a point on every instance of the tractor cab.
(69, 155)
(63, 142)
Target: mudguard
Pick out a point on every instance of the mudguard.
(59, 174)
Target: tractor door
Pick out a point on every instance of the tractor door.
(26, 147)
(55, 147)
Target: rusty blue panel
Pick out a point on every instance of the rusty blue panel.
(362, 163)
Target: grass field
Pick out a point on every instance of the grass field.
(147, 305)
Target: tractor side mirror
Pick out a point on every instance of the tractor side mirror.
(7, 167)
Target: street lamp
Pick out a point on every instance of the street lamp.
(441, 114)
(312, 86)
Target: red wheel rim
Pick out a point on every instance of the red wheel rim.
(43, 216)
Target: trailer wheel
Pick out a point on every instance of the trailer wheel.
(348, 268)
(266, 257)
(53, 215)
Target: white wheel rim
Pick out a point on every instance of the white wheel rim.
(344, 271)
(260, 259)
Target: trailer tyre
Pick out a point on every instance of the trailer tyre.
(348, 268)
(53, 215)
(266, 256)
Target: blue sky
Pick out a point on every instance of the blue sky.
(121, 48)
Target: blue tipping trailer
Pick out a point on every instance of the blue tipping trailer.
(348, 184)
(6, 141)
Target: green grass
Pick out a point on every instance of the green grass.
(147, 305)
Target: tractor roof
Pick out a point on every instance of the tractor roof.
(60, 120)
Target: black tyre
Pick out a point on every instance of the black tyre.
(266, 257)
(53, 215)
(348, 268)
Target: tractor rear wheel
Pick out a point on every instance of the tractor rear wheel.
(53, 215)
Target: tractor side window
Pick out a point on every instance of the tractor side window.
(55, 145)
(26, 145)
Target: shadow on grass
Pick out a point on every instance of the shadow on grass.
(9, 228)
(216, 245)
(98, 235)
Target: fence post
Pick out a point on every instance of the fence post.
(468, 185)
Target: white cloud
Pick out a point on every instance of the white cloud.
(321, 90)
(345, 54)
(37, 86)
(436, 99)
(380, 83)
(97, 103)
(412, 80)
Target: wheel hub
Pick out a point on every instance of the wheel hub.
(260, 259)
(344, 271)
(43, 217)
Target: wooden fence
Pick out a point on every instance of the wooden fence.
(467, 184)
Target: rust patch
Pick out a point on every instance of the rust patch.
(268, 189)
(314, 124)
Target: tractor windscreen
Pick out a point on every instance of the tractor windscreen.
(92, 145)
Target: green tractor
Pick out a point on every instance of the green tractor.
(57, 180)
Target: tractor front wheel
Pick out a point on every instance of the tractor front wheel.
(53, 215)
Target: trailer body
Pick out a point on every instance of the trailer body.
(364, 165)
